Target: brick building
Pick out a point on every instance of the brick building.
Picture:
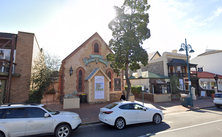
(17, 53)
(87, 71)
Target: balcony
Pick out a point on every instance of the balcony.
(182, 75)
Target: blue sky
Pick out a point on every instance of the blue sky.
(62, 25)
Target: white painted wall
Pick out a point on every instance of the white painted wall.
(210, 63)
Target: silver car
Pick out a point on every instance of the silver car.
(36, 119)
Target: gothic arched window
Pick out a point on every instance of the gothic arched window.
(80, 80)
(96, 48)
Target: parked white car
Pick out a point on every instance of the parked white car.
(36, 119)
(218, 100)
(123, 113)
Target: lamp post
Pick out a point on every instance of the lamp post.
(216, 78)
(186, 47)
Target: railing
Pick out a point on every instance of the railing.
(182, 75)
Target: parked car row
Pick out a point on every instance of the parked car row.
(37, 119)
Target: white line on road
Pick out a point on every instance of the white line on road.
(188, 127)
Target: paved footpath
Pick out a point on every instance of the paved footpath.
(89, 112)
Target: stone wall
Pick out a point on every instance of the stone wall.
(156, 67)
(115, 96)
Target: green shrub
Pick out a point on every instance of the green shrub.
(135, 89)
(212, 91)
(35, 96)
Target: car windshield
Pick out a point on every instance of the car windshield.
(50, 110)
(218, 96)
(110, 106)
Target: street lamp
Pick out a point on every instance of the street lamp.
(216, 78)
(186, 47)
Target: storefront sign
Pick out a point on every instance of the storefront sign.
(95, 58)
(99, 87)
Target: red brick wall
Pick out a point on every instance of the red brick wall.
(20, 86)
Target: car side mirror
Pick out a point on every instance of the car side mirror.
(46, 115)
(144, 108)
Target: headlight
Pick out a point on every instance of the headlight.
(76, 118)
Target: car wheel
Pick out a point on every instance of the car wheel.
(1, 135)
(157, 119)
(120, 123)
(218, 106)
(63, 131)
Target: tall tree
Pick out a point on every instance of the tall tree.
(43, 75)
(129, 30)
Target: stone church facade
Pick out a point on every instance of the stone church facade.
(87, 71)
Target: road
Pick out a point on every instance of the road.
(201, 123)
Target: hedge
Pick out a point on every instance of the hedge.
(135, 89)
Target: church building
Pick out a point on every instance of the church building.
(87, 71)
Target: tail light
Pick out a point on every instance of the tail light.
(107, 112)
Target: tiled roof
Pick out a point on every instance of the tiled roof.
(210, 52)
(205, 74)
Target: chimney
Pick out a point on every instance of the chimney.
(174, 51)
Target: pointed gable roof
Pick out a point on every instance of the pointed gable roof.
(151, 55)
(77, 49)
(94, 72)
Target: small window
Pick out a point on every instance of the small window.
(2, 113)
(138, 107)
(127, 106)
(35, 112)
(96, 48)
(15, 113)
(110, 106)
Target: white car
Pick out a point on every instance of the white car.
(218, 100)
(35, 119)
(123, 113)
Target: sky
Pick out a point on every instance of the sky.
(61, 26)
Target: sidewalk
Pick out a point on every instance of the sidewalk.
(89, 112)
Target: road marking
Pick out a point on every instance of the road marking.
(219, 129)
(188, 127)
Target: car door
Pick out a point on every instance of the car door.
(36, 122)
(128, 113)
(141, 114)
(14, 121)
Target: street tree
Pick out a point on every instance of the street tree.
(44, 73)
(129, 30)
